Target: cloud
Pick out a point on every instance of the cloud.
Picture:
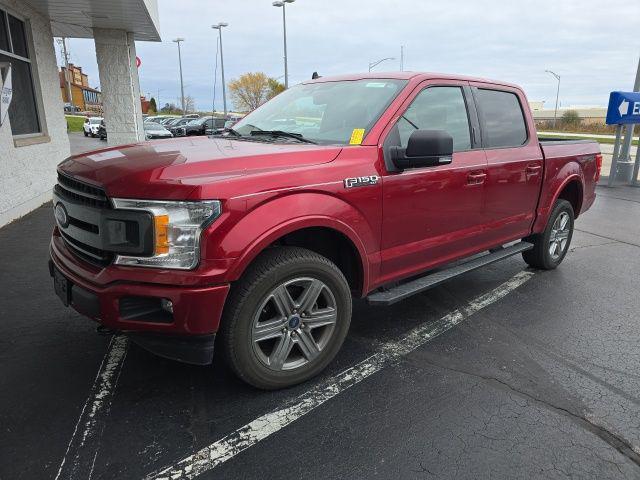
(592, 44)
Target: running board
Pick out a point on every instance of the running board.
(400, 292)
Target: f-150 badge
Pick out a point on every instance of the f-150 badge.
(361, 181)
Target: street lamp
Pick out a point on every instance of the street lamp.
(378, 62)
(555, 113)
(219, 27)
(282, 4)
(178, 40)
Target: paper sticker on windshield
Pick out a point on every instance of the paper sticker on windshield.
(376, 85)
(357, 136)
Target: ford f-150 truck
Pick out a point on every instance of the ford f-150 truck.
(372, 186)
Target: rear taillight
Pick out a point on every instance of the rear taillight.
(598, 167)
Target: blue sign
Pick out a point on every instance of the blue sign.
(624, 107)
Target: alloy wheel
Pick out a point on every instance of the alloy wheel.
(559, 237)
(294, 323)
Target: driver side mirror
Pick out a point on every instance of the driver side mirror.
(426, 148)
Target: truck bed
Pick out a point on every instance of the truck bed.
(565, 159)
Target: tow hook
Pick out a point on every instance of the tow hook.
(102, 330)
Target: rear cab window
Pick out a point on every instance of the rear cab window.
(501, 118)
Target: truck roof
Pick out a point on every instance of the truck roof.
(408, 76)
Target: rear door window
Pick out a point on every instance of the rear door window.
(502, 119)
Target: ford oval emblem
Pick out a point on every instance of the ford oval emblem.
(61, 215)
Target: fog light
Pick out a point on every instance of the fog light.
(166, 304)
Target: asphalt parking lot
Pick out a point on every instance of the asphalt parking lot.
(503, 373)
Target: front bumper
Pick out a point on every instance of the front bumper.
(185, 334)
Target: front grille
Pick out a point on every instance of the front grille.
(81, 192)
(88, 253)
(85, 195)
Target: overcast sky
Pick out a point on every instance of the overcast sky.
(593, 44)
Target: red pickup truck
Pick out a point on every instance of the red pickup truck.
(376, 186)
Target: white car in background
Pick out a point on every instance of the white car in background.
(91, 126)
(154, 130)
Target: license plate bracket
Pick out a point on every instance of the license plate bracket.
(62, 286)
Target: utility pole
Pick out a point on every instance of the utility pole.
(555, 112)
(402, 58)
(178, 40)
(65, 57)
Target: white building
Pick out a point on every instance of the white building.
(33, 138)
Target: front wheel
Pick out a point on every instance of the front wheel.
(551, 246)
(286, 318)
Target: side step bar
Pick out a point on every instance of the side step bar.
(400, 292)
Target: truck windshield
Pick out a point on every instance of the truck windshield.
(339, 112)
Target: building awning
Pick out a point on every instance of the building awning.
(78, 18)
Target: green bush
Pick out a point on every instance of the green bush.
(571, 117)
(74, 123)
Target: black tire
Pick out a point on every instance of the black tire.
(85, 133)
(246, 303)
(540, 255)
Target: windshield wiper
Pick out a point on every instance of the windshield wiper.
(233, 132)
(282, 133)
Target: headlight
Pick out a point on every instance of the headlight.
(176, 231)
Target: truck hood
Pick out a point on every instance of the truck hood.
(172, 169)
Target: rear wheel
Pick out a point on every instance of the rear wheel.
(286, 318)
(551, 246)
(85, 133)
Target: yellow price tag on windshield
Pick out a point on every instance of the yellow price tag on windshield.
(357, 136)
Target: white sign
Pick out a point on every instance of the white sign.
(6, 92)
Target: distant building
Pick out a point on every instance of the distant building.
(536, 105)
(588, 114)
(144, 103)
(84, 97)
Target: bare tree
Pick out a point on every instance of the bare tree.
(189, 104)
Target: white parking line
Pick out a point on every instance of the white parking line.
(79, 459)
(250, 434)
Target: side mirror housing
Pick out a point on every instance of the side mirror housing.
(426, 148)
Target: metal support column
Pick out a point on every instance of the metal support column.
(625, 171)
(634, 178)
(614, 158)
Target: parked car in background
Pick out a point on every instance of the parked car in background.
(91, 125)
(160, 118)
(102, 131)
(177, 126)
(155, 130)
(227, 125)
(264, 236)
(68, 108)
(191, 115)
(201, 125)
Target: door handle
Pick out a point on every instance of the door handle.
(476, 178)
(533, 170)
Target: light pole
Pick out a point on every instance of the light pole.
(67, 83)
(219, 27)
(378, 62)
(282, 4)
(178, 40)
(555, 113)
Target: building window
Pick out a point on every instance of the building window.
(14, 49)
